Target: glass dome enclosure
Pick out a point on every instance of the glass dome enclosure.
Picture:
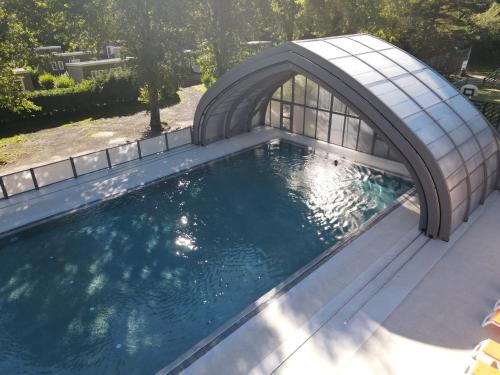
(363, 93)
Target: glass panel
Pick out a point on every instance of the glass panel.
(122, 154)
(179, 138)
(154, 145)
(365, 140)
(338, 106)
(277, 94)
(275, 114)
(350, 46)
(324, 99)
(90, 163)
(310, 123)
(369, 77)
(324, 49)
(351, 132)
(372, 42)
(286, 123)
(18, 182)
(312, 94)
(463, 107)
(323, 124)
(287, 109)
(287, 90)
(267, 120)
(381, 63)
(352, 65)
(381, 148)
(298, 119)
(52, 173)
(300, 89)
(433, 80)
(337, 129)
(403, 59)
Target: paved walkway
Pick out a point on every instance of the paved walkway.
(59, 142)
(438, 324)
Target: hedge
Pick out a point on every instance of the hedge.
(106, 89)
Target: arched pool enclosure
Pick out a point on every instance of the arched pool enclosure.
(363, 93)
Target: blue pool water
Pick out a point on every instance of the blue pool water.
(129, 285)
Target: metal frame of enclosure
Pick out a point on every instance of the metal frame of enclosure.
(446, 144)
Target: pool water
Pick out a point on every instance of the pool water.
(129, 285)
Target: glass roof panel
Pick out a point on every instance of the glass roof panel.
(324, 49)
(352, 66)
(431, 79)
(441, 147)
(406, 108)
(427, 100)
(394, 97)
(382, 64)
(372, 42)
(403, 59)
(382, 87)
(348, 45)
(369, 77)
(463, 107)
(425, 128)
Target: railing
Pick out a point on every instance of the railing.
(44, 175)
(492, 80)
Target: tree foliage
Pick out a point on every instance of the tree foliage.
(15, 40)
(156, 31)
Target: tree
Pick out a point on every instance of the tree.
(287, 12)
(15, 44)
(153, 32)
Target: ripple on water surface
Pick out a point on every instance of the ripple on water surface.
(129, 285)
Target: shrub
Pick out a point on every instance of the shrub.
(64, 81)
(107, 89)
(46, 81)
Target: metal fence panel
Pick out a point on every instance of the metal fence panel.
(51, 173)
(18, 182)
(155, 145)
(91, 162)
(179, 138)
(124, 153)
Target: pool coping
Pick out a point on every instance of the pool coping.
(205, 345)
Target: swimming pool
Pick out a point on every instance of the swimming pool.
(130, 284)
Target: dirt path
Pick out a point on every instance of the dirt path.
(47, 145)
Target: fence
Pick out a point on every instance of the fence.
(492, 80)
(74, 167)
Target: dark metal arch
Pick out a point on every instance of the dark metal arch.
(229, 106)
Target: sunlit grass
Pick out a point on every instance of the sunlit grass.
(7, 157)
(489, 95)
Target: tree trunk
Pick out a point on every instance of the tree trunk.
(154, 108)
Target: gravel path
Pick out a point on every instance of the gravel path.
(48, 145)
